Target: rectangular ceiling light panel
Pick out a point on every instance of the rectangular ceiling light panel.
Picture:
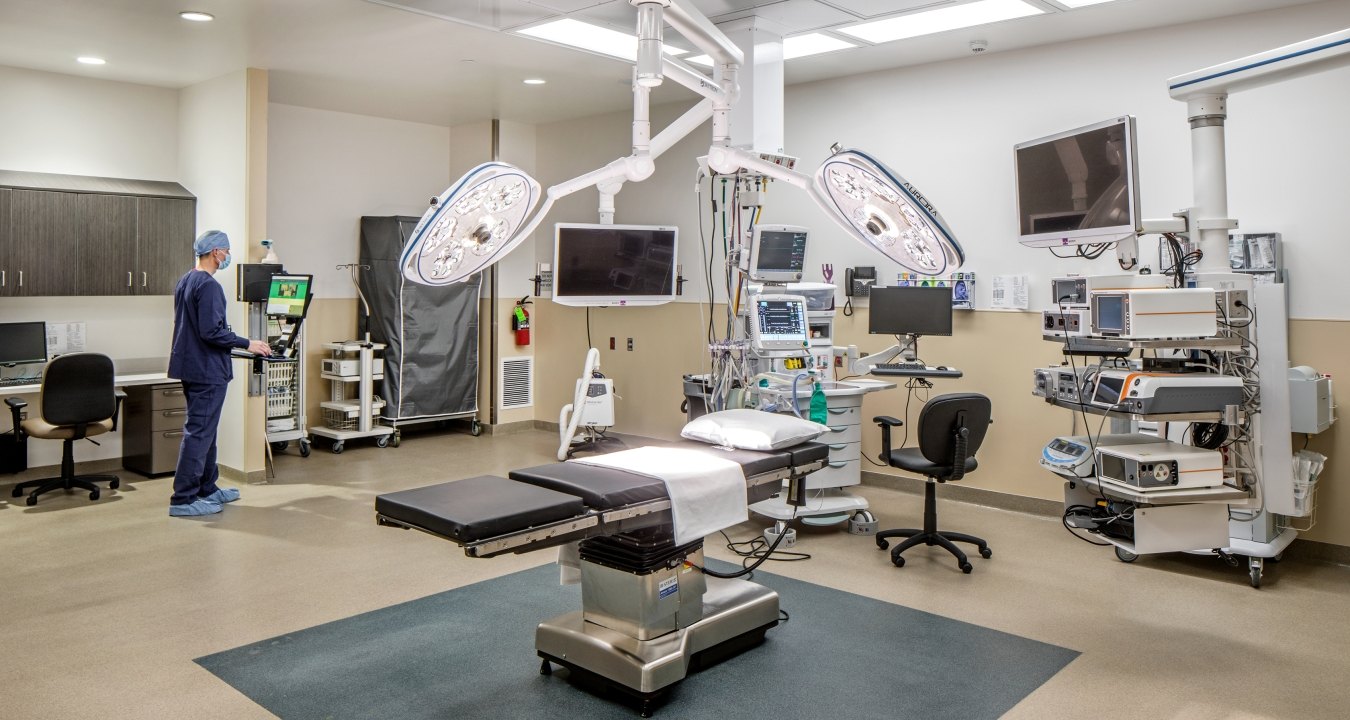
(586, 36)
(1080, 3)
(939, 20)
(812, 44)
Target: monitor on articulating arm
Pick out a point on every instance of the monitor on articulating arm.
(1078, 187)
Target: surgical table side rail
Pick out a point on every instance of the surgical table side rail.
(595, 522)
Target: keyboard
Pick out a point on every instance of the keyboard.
(901, 366)
(17, 381)
(906, 369)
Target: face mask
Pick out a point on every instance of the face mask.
(224, 263)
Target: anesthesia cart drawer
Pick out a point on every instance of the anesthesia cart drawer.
(844, 416)
(840, 433)
(163, 397)
(843, 452)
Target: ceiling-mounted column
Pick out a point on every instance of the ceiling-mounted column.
(757, 119)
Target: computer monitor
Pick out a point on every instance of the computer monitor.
(778, 322)
(910, 311)
(22, 343)
(777, 253)
(1078, 187)
(614, 264)
(289, 295)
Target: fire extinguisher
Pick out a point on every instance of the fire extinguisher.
(520, 321)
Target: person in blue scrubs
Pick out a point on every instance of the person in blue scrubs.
(201, 360)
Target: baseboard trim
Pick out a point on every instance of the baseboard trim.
(252, 477)
(967, 494)
(546, 425)
(1315, 550)
(511, 428)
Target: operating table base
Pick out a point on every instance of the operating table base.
(736, 614)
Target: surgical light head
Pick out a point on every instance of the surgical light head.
(887, 213)
(471, 225)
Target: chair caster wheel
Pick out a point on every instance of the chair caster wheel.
(986, 553)
(545, 668)
(93, 494)
(32, 500)
(882, 544)
(966, 567)
(116, 483)
(16, 493)
(898, 561)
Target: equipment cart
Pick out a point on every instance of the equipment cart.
(285, 391)
(351, 372)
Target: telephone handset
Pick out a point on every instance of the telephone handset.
(858, 281)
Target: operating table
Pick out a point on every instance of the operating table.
(649, 614)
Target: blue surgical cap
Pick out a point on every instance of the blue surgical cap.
(210, 240)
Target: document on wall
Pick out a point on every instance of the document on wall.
(1010, 292)
(63, 338)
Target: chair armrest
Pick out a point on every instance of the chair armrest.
(886, 422)
(120, 395)
(15, 406)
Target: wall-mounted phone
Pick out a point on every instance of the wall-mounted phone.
(858, 281)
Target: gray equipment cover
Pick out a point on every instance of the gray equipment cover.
(431, 362)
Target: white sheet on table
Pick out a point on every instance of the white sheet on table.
(707, 493)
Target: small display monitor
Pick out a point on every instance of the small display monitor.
(22, 343)
(1078, 187)
(913, 310)
(1108, 313)
(289, 295)
(778, 322)
(777, 253)
(614, 264)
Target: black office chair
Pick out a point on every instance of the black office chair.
(78, 401)
(951, 428)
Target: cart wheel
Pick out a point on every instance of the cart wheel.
(1278, 557)
(1125, 556)
(382, 441)
(475, 428)
(279, 446)
(337, 448)
(397, 437)
(1255, 566)
(304, 448)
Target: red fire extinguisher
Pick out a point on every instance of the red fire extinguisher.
(520, 322)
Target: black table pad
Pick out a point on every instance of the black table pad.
(478, 507)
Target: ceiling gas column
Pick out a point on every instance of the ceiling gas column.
(757, 120)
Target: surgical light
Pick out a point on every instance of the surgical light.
(887, 213)
(942, 19)
(470, 225)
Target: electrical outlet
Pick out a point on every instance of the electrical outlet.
(611, 343)
(630, 344)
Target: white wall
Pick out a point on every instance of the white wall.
(326, 169)
(79, 126)
(213, 165)
(950, 127)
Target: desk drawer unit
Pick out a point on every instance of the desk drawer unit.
(152, 427)
(845, 441)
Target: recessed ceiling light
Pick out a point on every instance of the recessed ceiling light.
(812, 44)
(1080, 3)
(940, 20)
(591, 37)
(91, 60)
(535, 81)
(196, 16)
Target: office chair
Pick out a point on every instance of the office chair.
(78, 401)
(951, 428)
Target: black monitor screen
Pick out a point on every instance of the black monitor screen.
(615, 261)
(781, 251)
(24, 342)
(910, 311)
(1079, 186)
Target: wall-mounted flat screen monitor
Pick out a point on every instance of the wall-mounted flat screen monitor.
(1078, 187)
(777, 253)
(22, 343)
(911, 310)
(289, 295)
(614, 264)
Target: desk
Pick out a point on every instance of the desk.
(127, 371)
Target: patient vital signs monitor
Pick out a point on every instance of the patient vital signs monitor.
(777, 253)
(289, 295)
(910, 311)
(1078, 187)
(778, 323)
(23, 343)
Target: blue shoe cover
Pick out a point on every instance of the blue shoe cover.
(199, 506)
(222, 496)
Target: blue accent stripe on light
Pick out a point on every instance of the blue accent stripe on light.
(1263, 62)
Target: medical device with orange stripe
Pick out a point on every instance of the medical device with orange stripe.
(1125, 390)
(1154, 314)
(1162, 465)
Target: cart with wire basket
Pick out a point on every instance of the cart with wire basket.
(284, 389)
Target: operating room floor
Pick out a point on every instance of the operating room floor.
(104, 605)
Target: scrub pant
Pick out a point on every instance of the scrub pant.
(197, 473)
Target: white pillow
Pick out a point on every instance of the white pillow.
(752, 429)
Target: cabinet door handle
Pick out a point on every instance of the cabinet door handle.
(128, 278)
(838, 429)
(174, 413)
(838, 447)
(172, 393)
(839, 411)
(173, 433)
(838, 464)
(143, 276)
(20, 278)
(2, 278)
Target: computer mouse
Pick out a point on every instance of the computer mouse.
(942, 367)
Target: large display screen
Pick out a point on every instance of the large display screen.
(288, 295)
(1078, 187)
(614, 264)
